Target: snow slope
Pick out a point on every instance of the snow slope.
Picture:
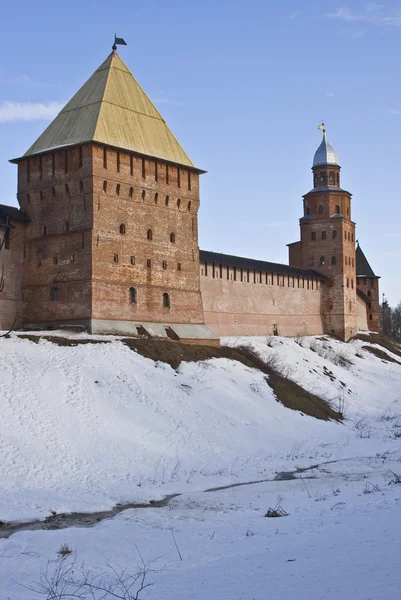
(85, 427)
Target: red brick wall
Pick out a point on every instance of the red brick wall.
(295, 254)
(291, 305)
(370, 286)
(130, 191)
(339, 301)
(55, 191)
(11, 260)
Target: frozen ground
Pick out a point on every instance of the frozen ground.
(85, 427)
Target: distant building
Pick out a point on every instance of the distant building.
(107, 236)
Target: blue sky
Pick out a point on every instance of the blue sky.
(243, 85)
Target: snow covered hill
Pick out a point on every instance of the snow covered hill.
(85, 427)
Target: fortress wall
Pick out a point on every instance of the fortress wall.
(11, 258)
(361, 314)
(145, 237)
(261, 303)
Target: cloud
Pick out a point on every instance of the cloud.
(396, 111)
(28, 111)
(353, 33)
(372, 14)
(21, 80)
(163, 100)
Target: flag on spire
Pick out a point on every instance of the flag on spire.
(119, 41)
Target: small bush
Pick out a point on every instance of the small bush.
(393, 478)
(364, 431)
(277, 511)
(64, 551)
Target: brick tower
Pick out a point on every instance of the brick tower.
(113, 200)
(328, 242)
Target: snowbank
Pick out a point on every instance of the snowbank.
(85, 427)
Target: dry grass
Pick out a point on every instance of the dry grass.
(287, 392)
(380, 354)
(381, 340)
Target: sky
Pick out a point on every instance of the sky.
(243, 85)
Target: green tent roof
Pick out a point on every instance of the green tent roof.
(111, 108)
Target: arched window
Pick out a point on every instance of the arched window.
(172, 238)
(323, 235)
(166, 300)
(315, 180)
(313, 235)
(81, 186)
(189, 206)
(66, 226)
(333, 260)
(105, 186)
(334, 234)
(166, 200)
(331, 176)
(369, 293)
(322, 261)
(164, 265)
(131, 192)
(349, 236)
(143, 194)
(149, 234)
(307, 210)
(178, 202)
(338, 178)
(118, 187)
(132, 294)
(179, 267)
(321, 209)
(337, 209)
(122, 228)
(347, 211)
(352, 237)
(54, 294)
(345, 235)
(156, 198)
(44, 230)
(148, 263)
(53, 191)
(347, 282)
(67, 189)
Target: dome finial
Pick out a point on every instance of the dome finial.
(325, 154)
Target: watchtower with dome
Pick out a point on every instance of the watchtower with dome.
(327, 242)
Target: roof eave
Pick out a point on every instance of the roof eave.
(74, 145)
